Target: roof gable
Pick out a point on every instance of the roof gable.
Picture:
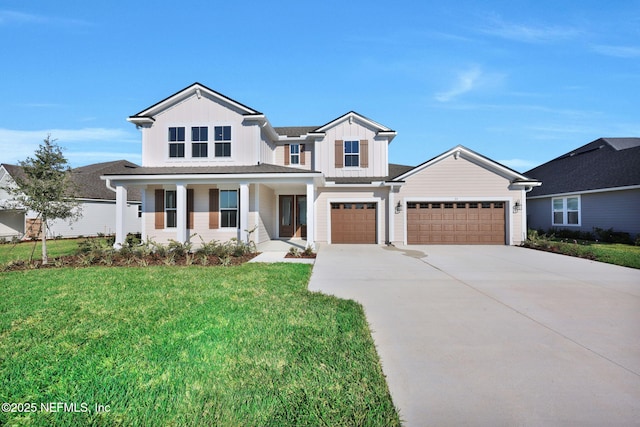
(196, 89)
(600, 164)
(461, 151)
(353, 116)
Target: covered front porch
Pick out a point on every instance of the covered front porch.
(195, 208)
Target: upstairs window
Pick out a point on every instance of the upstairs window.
(199, 138)
(222, 141)
(294, 153)
(176, 142)
(566, 210)
(200, 133)
(352, 153)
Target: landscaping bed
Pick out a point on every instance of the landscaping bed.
(613, 253)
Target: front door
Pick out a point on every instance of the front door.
(293, 216)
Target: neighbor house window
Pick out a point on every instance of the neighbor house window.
(294, 152)
(566, 210)
(199, 138)
(351, 153)
(222, 138)
(229, 208)
(170, 208)
(176, 142)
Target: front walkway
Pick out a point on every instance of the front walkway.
(275, 251)
(496, 335)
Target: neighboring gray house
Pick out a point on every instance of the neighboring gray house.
(97, 205)
(596, 185)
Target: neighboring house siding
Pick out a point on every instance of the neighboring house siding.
(97, 217)
(200, 112)
(327, 195)
(462, 180)
(619, 210)
(11, 223)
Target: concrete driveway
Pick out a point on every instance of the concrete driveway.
(496, 335)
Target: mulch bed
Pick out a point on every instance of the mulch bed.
(118, 260)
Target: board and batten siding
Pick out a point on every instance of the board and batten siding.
(202, 111)
(325, 155)
(459, 179)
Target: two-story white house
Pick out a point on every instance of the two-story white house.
(214, 167)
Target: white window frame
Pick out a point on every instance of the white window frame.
(345, 154)
(177, 141)
(294, 154)
(200, 141)
(222, 141)
(221, 209)
(565, 211)
(167, 209)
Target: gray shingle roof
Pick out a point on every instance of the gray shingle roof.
(394, 171)
(198, 170)
(603, 163)
(87, 179)
(294, 130)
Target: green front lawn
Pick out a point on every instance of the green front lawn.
(236, 346)
(22, 251)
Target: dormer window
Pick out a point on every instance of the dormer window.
(176, 142)
(222, 141)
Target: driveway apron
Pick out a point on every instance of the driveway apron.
(496, 335)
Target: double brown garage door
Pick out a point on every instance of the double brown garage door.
(455, 223)
(353, 222)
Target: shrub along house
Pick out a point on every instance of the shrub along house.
(214, 167)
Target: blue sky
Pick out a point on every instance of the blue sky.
(518, 81)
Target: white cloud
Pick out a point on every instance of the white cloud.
(618, 51)
(529, 33)
(465, 82)
(9, 16)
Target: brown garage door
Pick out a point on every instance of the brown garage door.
(353, 223)
(456, 223)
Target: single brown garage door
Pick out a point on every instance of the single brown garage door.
(353, 222)
(455, 223)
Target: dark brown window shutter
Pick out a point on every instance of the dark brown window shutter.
(302, 154)
(159, 210)
(364, 153)
(339, 153)
(190, 208)
(286, 154)
(214, 208)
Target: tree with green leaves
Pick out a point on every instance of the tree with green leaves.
(46, 188)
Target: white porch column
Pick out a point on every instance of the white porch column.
(121, 212)
(391, 209)
(181, 213)
(311, 209)
(244, 211)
